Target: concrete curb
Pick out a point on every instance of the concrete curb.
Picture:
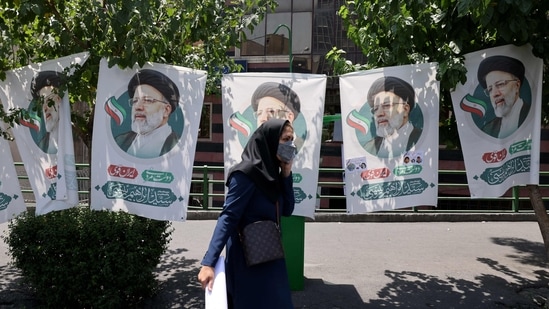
(402, 216)
(394, 217)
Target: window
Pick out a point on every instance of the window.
(302, 32)
(303, 6)
(284, 6)
(205, 129)
(254, 45)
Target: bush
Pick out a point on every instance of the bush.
(88, 259)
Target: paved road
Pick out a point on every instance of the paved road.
(370, 265)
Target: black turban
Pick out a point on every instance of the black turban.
(395, 85)
(280, 92)
(500, 63)
(159, 81)
(43, 79)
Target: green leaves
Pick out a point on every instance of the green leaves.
(188, 33)
(107, 258)
(394, 33)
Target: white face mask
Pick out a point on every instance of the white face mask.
(286, 151)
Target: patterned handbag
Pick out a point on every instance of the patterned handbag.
(261, 241)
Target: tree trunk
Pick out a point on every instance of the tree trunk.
(541, 214)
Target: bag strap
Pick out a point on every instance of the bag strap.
(277, 214)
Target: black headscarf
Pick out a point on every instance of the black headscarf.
(259, 159)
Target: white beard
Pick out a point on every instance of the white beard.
(50, 125)
(503, 109)
(394, 123)
(147, 125)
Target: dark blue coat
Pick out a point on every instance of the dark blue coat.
(262, 286)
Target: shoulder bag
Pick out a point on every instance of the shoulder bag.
(261, 241)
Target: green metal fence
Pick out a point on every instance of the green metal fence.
(208, 191)
(516, 200)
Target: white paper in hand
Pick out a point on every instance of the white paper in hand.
(217, 297)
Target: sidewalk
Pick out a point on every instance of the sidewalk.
(370, 265)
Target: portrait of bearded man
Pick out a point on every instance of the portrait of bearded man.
(391, 100)
(153, 98)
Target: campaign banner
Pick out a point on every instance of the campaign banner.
(498, 112)
(11, 198)
(390, 137)
(298, 98)
(145, 131)
(45, 140)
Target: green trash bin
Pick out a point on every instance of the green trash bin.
(293, 240)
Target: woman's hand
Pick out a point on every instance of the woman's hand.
(206, 277)
(286, 168)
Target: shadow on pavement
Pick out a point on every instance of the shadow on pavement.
(527, 252)
(178, 285)
(415, 290)
(510, 290)
(503, 288)
(13, 293)
(407, 289)
(319, 294)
